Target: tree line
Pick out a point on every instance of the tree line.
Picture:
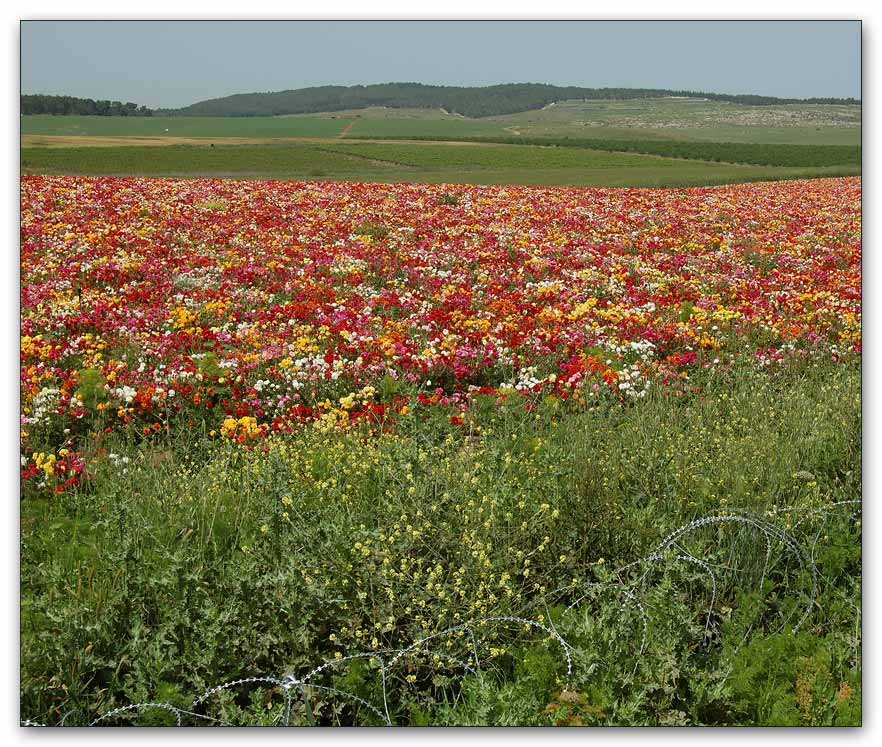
(61, 105)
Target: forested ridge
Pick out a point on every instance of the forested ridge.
(469, 102)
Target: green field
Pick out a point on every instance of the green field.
(405, 123)
(405, 162)
(263, 127)
(720, 142)
(652, 119)
(589, 152)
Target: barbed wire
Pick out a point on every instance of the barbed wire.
(630, 579)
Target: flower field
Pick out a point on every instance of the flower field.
(267, 425)
(249, 308)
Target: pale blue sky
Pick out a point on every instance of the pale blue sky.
(175, 63)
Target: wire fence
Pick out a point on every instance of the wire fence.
(716, 537)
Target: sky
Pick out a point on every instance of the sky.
(165, 64)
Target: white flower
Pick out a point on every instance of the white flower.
(126, 393)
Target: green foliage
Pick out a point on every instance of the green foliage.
(66, 105)
(203, 561)
(91, 386)
(786, 679)
(687, 309)
(209, 366)
(377, 231)
(448, 199)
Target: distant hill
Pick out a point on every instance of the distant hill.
(470, 102)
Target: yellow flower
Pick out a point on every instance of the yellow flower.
(49, 465)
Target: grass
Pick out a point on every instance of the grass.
(187, 562)
(671, 119)
(759, 154)
(206, 127)
(438, 125)
(405, 162)
(302, 160)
